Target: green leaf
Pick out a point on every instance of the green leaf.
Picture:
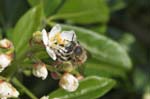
(102, 48)
(99, 28)
(9, 33)
(127, 40)
(140, 79)
(83, 11)
(24, 28)
(34, 2)
(103, 70)
(49, 5)
(89, 88)
(116, 5)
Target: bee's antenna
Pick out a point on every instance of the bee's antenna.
(72, 37)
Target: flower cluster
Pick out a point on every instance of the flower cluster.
(6, 89)
(6, 57)
(65, 51)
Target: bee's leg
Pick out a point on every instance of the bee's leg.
(56, 63)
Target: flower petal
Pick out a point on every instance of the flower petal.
(4, 61)
(68, 35)
(45, 37)
(45, 97)
(56, 29)
(51, 53)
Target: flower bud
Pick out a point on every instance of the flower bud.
(68, 82)
(40, 71)
(55, 75)
(5, 60)
(7, 90)
(5, 43)
(67, 66)
(37, 37)
(45, 97)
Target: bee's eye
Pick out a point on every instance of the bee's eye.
(78, 50)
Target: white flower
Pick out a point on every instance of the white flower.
(5, 43)
(55, 37)
(5, 60)
(7, 90)
(68, 82)
(40, 71)
(45, 97)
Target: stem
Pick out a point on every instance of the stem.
(51, 68)
(21, 86)
(8, 73)
(75, 72)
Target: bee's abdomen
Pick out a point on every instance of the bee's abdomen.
(62, 55)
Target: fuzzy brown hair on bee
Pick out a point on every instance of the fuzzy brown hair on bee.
(73, 52)
(79, 56)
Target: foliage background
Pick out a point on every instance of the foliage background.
(125, 21)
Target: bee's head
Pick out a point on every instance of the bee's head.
(78, 50)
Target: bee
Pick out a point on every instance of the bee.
(73, 52)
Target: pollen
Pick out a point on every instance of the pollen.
(59, 39)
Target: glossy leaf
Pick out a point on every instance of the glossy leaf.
(102, 48)
(24, 28)
(34, 2)
(89, 88)
(103, 70)
(99, 29)
(83, 11)
(49, 5)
